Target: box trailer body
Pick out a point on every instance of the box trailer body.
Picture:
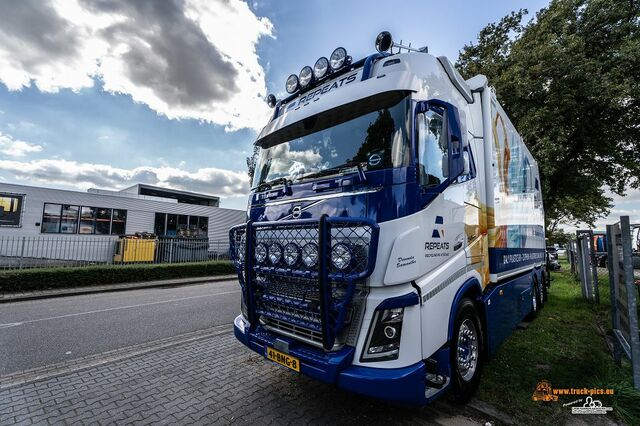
(395, 231)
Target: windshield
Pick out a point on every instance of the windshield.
(371, 133)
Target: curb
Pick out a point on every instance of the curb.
(481, 407)
(77, 291)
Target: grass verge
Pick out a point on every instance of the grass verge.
(566, 346)
(49, 278)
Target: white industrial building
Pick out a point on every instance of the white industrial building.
(37, 222)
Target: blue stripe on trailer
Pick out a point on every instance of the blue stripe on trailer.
(509, 259)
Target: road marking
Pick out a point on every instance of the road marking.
(14, 324)
(10, 324)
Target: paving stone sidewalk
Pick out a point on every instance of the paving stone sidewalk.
(209, 381)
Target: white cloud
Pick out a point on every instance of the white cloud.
(16, 148)
(183, 58)
(626, 205)
(214, 181)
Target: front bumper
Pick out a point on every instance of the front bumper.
(404, 385)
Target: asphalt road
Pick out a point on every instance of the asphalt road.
(42, 332)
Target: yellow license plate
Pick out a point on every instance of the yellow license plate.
(283, 359)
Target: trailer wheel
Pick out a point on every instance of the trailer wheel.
(536, 297)
(542, 292)
(466, 351)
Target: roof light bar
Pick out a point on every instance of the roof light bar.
(338, 58)
(292, 83)
(305, 77)
(321, 68)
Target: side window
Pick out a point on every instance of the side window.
(432, 148)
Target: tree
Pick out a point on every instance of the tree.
(559, 236)
(570, 81)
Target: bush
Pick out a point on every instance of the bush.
(48, 278)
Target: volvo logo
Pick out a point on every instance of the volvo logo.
(374, 160)
(296, 212)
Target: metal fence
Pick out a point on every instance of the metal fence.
(586, 266)
(624, 295)
(620, 263)
(57, 251)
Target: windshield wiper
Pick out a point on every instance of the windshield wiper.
(336, 171)
(264, 186)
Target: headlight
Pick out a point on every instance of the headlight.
(291, 254)
(292, 83)
(275, 253)
(261, 253)
(383, 342)
(305, 77)
(340, 256)
(271, 100)
(338, 58)
(321, 68)
(310, 254)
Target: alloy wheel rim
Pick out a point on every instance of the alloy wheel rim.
(467, 356)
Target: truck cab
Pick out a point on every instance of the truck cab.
(395, 228)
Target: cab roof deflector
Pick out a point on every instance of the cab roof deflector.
(456, 79)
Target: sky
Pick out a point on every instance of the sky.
(109, 93)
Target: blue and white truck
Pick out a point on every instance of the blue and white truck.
(395, 232)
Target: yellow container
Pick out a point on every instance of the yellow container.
(135, 250)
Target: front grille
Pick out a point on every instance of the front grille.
(319, 305)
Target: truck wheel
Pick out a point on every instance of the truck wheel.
(536, 296)
(541, 292)
(467, 351)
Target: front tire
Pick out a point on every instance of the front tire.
(467, 351)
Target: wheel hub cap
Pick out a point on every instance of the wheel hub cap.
(467, 356)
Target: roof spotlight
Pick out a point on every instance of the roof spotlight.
(271, 100)
(305, 76)
(321, 68)
(292, 83)
(338, 58)
(384, 41)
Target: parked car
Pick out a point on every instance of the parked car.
(552, 259)
(562, 252)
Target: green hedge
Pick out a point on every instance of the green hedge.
(49, 278)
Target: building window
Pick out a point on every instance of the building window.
(119, 222)
(51, 218)
(68, 219)
(103, 221)
(10, 209)
(87, 220)
(172, 225)
(160, 224)
(183, 223)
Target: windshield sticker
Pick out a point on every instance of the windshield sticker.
(324, 89)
